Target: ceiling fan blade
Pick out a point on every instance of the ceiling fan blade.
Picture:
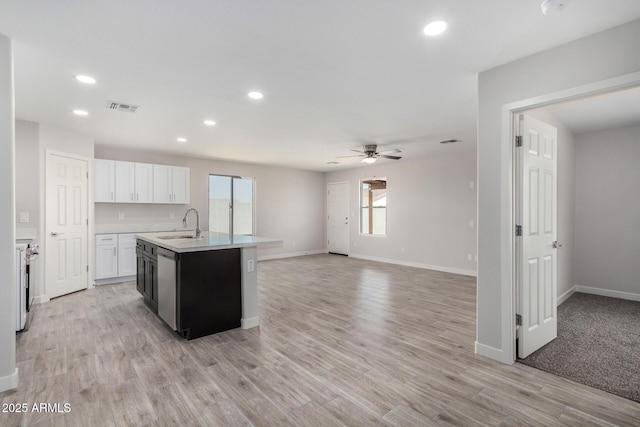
(390, 150)
(358, 151)
(356, 155)
(389, 157)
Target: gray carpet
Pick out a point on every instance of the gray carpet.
(598, 345)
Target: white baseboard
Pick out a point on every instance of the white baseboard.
(113, 280)
(608, 293)
(250, 322)
(291, 255)
(417, 265)
(9, 382)
(562, 298)
(492, 353)
(40, 299)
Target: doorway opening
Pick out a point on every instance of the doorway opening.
(597, 267)
(66, 224)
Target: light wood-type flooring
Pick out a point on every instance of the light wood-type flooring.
(341, 342)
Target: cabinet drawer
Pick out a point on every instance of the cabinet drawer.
(106, 239)
(126, 239)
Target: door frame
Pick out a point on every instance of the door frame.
(326, 237)
(43, 220)
(510, 113)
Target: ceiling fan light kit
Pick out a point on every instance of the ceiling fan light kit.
(550, 7)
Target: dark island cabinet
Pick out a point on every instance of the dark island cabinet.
(147, 273)
(201, 291)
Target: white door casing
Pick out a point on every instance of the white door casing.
(338, 229)
(537, 273)
(66, 225)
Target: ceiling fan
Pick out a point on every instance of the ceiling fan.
(371, 153)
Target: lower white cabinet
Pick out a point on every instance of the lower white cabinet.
(126, 255)
(115, 256)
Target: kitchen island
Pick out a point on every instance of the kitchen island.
(200, 286)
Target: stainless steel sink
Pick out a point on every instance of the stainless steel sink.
(181, 236)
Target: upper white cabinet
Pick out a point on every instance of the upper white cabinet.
(171, 184)
(104, 181)
(134, 182)
(129, 182)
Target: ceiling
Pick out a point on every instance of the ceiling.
(601, 112)
(335, 74)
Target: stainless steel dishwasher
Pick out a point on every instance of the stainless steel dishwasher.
(167, 286)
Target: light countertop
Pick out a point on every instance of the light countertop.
(207, 242)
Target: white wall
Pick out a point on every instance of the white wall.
(27, 173)
(608, 206)
(289, 202)
(566, 202)
(550, 74)
(8, 371)
(429, 206)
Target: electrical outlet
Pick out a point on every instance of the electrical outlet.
(120, 215)
(472, 185)
(472, 224)
(251, 265)
(172, 215)
(469, 257)
(293, 243)
(402, 249)
(355, 244)
(24, 216)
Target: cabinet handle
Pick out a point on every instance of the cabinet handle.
(114, 251)
(137, 197)
(131, 196)
(112, 196)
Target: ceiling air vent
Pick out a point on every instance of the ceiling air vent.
(119, 106)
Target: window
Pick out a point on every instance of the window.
(373, 206)
(231, 204)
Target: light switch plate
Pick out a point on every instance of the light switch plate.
(24, 216)
(251, 265)
(120, 215)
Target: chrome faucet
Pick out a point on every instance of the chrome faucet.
(184, 221)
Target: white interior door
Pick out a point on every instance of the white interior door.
(537, 253)
(338, 218)
(66, 225)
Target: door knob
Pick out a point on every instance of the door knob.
(556, 245)
(55, 233)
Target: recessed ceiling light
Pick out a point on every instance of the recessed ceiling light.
(86, 79)
(209, 123)
(434, 28)
(80, 113)
(450, 141)
(181, 139)
(255, 95)
(332, 163)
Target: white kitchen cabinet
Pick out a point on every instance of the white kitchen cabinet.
(180, 184)
(126, 255)
(125, 182)
(106, 256)
(115, 256)
(104, 180)
(134, 182)
(171, 184)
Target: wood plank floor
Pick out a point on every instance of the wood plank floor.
(341, 342)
